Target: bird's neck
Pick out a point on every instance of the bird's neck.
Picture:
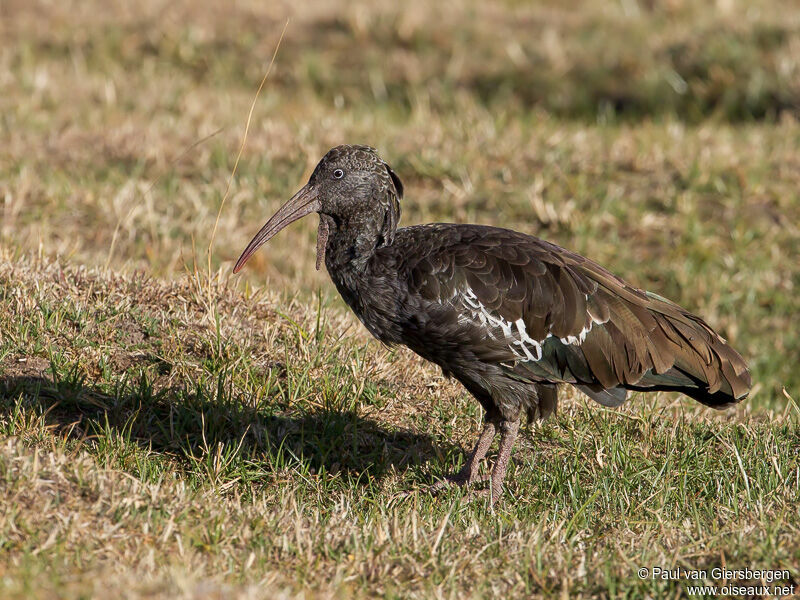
(351, 242)
(360, 275)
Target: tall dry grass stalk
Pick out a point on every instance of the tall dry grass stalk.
(236, 164)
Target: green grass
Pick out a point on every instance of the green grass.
(166, 432)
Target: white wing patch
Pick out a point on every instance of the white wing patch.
(579, 339)
(522, 345)
(524, 340)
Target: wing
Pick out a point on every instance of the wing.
(566, 319)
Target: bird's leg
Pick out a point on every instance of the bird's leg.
(508, 434)
(469, 472)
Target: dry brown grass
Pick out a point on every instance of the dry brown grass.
(129, 538)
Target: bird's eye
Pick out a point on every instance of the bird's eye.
(338, 174)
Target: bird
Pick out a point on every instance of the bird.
(508, 315)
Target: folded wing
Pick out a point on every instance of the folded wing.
(566, 319)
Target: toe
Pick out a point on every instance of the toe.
(449, 481)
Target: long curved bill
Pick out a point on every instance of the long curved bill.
(301, 204)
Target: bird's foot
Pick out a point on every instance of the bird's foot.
(458, 480)
(491, 492)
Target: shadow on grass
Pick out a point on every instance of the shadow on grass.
(188, 424)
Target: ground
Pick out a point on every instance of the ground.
(170, 430)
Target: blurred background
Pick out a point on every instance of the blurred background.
(658, 138)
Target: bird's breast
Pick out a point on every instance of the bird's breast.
(375, 300)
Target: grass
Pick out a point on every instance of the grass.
(162, 444)
(169, 433)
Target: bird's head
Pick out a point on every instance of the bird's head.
(351, 187)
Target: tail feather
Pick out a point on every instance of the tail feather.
(610, 398)
(705, 368)
(722, 378)
(683, 354)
